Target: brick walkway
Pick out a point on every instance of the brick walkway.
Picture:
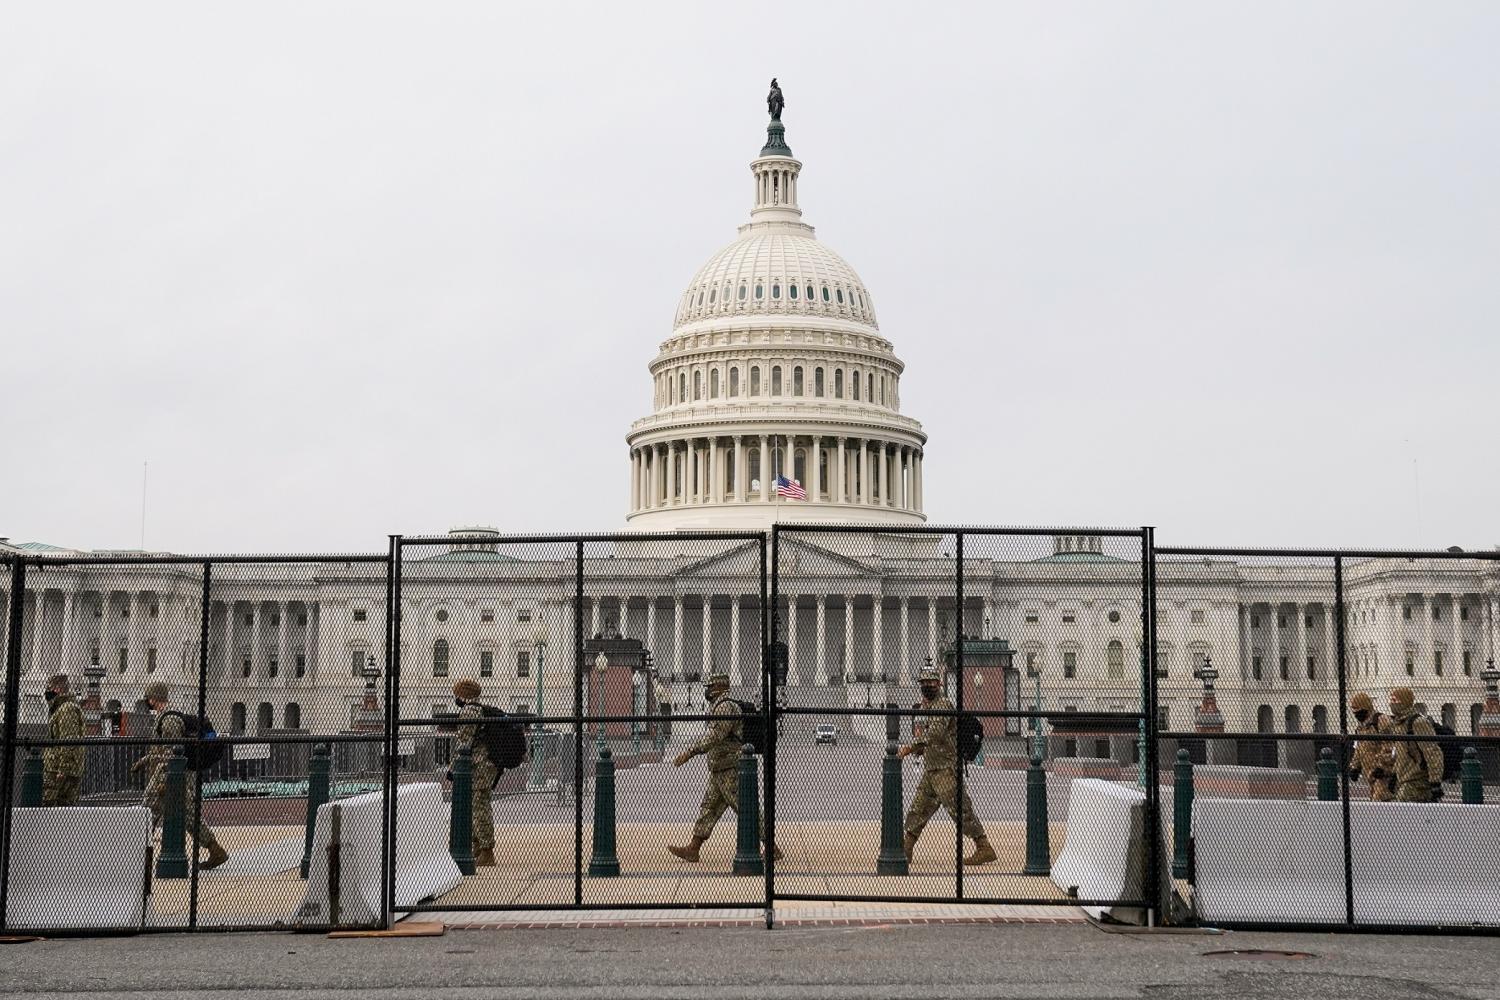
(788, 914)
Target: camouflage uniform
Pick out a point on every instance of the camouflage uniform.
(1419, 764)
(721, 744)
(169, 726)
(1375, 758)
(62, 767)
(938, 746)
(482, 834)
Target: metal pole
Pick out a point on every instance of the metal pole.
(1338, 614)
(1152, 838)
(392, 714)
(578, 724)
(12, 709)
(768, 706)
(958, 660)
(538, 743)
(203, 619)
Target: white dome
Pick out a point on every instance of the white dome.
(777, 272)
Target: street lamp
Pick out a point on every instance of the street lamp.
(979, 703)
(538, 744)
(1038, 742)
(661, 729)
(601, 664)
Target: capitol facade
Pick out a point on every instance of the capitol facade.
(776, 367)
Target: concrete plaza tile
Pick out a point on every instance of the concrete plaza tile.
(486, 887)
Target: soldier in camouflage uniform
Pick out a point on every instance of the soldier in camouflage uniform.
(170, 726)
(721, 744)
(938, 747)
(1419, 764)
(62, 767)
(482, 838)
(1373, 758)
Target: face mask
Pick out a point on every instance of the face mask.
(1362, 714)
(52, 696)
(929, 691)
(459, 702)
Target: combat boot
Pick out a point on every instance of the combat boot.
(216, 857)
(776, 854)
(983, 853)
(690, 851)
(485, 858)
(908, 842)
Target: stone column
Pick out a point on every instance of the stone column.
(848, 632)
(1329, 673)
(1458, 637)
(635, 481)
(1300, 635)
(885, 482)
(878, 636)
(765, 469)
(671, 473)
(736, 674)
(793, 667)
(820, 666)
(916, 479)
(932, 649)
(284, 666)
(69, 663)
(741, 480)
(864, 472)
(677, 636)
(715, 480)
(597, 611)
(903, 662)
(815, 475)
(651, 626)
(841, 481)
(708, 636)
(1275, 623)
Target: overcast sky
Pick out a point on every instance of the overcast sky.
(342, 270)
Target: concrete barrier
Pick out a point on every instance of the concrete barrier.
(1240, 782)
(1426, 864)
(79, 868)
(424, 868)
(1102, 856)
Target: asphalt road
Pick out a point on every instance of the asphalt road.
(865, 963)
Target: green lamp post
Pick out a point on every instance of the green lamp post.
(979, 699)
(538, 743)
(636, 708)
(601, 664)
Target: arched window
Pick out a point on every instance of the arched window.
(1475, 711)
(440, 658)
(734, 381)
(1293, 719)
(799, 465)
(838, 383)
(776, 380)
(1115, 659)
(1265, 719)
(791, 291)
(1164, 657)
(839, 294)
(713, 384)
(291, 716)
(797, 381)
(713, 295)
(870, 388)
(742, 293)
(818, 382)
(823, 472)
(809, 293)
(682, 387)
(697, 383)
(775, 291)
(1320, 718)
(1450, 716)
(752, 465)
(825, 293)
(760, 291)
(265, 717)
(854, 385)
(237, 717)
(755, 381)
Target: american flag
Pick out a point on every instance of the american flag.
(790, 488)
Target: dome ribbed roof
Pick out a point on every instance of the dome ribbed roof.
(776, 273)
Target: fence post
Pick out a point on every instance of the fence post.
(604, 863)
(747, 859)
(31, 780)
(1471, 778)
(1182, 816)
(1038, 849)
(461, 812)
(1328, 776)
(317, 795)
(173, 860)
(892, 860)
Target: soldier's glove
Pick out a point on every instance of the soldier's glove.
(1437, 792)
(448, 774)
(681, 759)
(1377, 775)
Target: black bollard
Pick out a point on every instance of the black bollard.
(1182, 816)
(173, 860)
(604, 863)
(461, 814)
(318, 767)
(1328, 776)
(747, 860)
(1038, 841)
(31, 780)
(1471, 778)
(892, 859)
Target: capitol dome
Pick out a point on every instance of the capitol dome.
(775, 375)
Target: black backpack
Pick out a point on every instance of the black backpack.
(504, 742)
(752, 725)
(970, 737)
(1453, 754)
(200, 756)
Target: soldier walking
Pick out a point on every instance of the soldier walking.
(721, 744)
(938, 747)
(482, 839)
(1373, 758)
(172, 725)
(62, 767)
(1419, 764)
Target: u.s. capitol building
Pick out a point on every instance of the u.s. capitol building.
(776, 382)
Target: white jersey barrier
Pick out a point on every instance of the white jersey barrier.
(424, 868)
(1102, 856)
(79, 867)
(1416, 863)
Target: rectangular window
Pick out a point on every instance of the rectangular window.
(275, 618)
(1463, 612)
(360, 614)
(151, 659)
(273, 665)
(1286, 668)
(125, 610)
(1406, 611)
(301, 664)
(486, 663)
(1070, 663)
(245, 666)
(1411, 665)
(302, 621)
(1307, 621)
(1312, 667)
(1437, 662)
(523, 708)
(523, 616)
(155, 610)
(1195, 617)
(1281, 620)
(1255, 667)
(1255, 621)
(1069, 619)
(1032, 618)
(356, 662)
(523, 663)
(250, 619)
(1468, 663)
(124, 659)
(1437, 613)
(487, 615)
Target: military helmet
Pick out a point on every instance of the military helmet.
(717, 679)
(157, 691)
(1361, 701)
(467, 689)
(1403, 697)
(929, 674)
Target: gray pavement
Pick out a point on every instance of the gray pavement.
(857, 963)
